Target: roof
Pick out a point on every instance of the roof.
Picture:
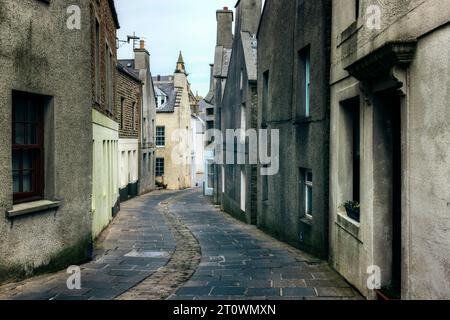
(172, 93)
(126, 71)
(114, 13)
(221, 62)
(249, 43)
(129, 65)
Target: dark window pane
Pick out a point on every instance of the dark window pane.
(16, 181)
(19, 132)
(27, 159)
(27, 181)
(16, 160)
(31, 134)
(20, 108)
(309, 195)
(32, 113)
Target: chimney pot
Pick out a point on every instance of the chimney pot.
(142, 44)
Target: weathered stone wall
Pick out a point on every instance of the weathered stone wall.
(40, 55)
(130, 90)
(286, 29)
(424, 151)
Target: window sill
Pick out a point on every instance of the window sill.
(348, 225)
(303, 120)
(31, 207)
(308, 220)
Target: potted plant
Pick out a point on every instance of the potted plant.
(353, 210)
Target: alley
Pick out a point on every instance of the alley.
(176, 245)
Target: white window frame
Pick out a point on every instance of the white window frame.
(308, 185)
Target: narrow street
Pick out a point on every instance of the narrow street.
(176, 245)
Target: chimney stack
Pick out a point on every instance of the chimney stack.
(141, 57)
(225, 28)
(248, 14)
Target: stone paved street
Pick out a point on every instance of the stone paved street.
(178, 246)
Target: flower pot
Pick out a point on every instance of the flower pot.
(353, 214)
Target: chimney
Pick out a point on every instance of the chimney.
(248, 14)
(141, 57)
(225, 28)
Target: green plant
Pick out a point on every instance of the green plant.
(352, 205)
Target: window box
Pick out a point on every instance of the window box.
(353, 210)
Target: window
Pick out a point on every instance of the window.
(265, 186)
(356, 152)
(109, 80)
(97, 60)
(122, 105)
(243, 122)
(308, 178)
(351, 117)
(27, 147)
(159, 167)
(210, 111)
(160, 136)
(265, 106)
(243, 190)
(305, 82)
(133, 115)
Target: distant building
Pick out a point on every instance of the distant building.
(390, 146)
(198, 147)
(173, 129)
(128, 112)
(224, 44)
(293, 86)
(105, 189)
(207, 114)
(140, 68)
(239, 110)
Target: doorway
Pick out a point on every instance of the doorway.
(390, 110)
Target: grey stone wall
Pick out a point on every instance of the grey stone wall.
(40, 55)
(414, 70)
(287, 28)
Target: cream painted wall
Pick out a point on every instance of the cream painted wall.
(105, 188)
(128, 161)
(178, 149)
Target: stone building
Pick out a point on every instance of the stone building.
(128, 113)
(105, 189)
(140, 68)
(45, 158)
(389, 145)
(239, 109)
(207, 115)
(173, 129)
(293, 77)
(222, 57)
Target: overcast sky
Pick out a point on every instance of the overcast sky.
(169, 26)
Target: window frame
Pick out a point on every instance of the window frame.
(36, 159)
(158, 171)
(309, 185)
(158, 136)
(304, 58)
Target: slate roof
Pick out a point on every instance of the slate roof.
(249, 43)
(127, 67)
(222, 62)
(173, 94)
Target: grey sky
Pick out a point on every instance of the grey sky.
(169, 26)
